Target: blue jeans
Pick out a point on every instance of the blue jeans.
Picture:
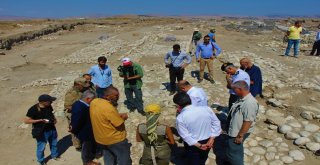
(295, 44)
(117, 154)
(134, 103)
(50, 136)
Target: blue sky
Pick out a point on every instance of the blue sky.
(78, 8)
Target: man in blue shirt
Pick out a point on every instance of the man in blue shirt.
(101, 75)
(82, 128)
(212, 35)
(179, 61)
(233, 75)
(255, 76)
(205, 54)
(316, 45)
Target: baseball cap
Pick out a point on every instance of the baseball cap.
(195, 29)
(225, 65)
(82, 81)
(126, 61)
(46, 97)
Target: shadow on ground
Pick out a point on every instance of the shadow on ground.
(63, 146)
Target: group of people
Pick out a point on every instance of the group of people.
(294, 38)
(98, 128)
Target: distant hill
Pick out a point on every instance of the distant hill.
(12, 17)
(274, 16)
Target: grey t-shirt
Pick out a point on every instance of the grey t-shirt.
(245, 109)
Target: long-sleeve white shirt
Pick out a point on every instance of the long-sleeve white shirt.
(198, 96)
(196, 123)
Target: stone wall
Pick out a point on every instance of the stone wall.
(8, 42)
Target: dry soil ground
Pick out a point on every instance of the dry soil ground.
(144, 42)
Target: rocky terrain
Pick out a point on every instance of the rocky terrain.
(287, 131)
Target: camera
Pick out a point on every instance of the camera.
(129, 72)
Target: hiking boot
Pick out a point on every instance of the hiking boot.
(200, 80)
(317, 153)
(212, 82)
(42, 163)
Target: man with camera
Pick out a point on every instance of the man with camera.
(132, 74)
(179, 61)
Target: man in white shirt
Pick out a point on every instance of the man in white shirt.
(197, 126)
(234, 74)
(197, 95)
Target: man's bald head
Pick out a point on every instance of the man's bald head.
(245, 59)
(245, 63)
(111, 91)
(112, 95)
(184, 85)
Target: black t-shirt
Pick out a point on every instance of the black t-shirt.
(35, 113)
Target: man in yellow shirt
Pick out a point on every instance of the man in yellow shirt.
(109, 129)
(294, 38)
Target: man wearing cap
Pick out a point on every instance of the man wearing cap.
(43, 123)
(205, 54)
(132, 74)
(179, 61)
(79, 86)
(233, 75)
(212, 35)
(101, 75)
(88, 77)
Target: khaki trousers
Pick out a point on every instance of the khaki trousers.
(203, 63)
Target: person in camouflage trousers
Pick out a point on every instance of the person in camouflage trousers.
(74, 94)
